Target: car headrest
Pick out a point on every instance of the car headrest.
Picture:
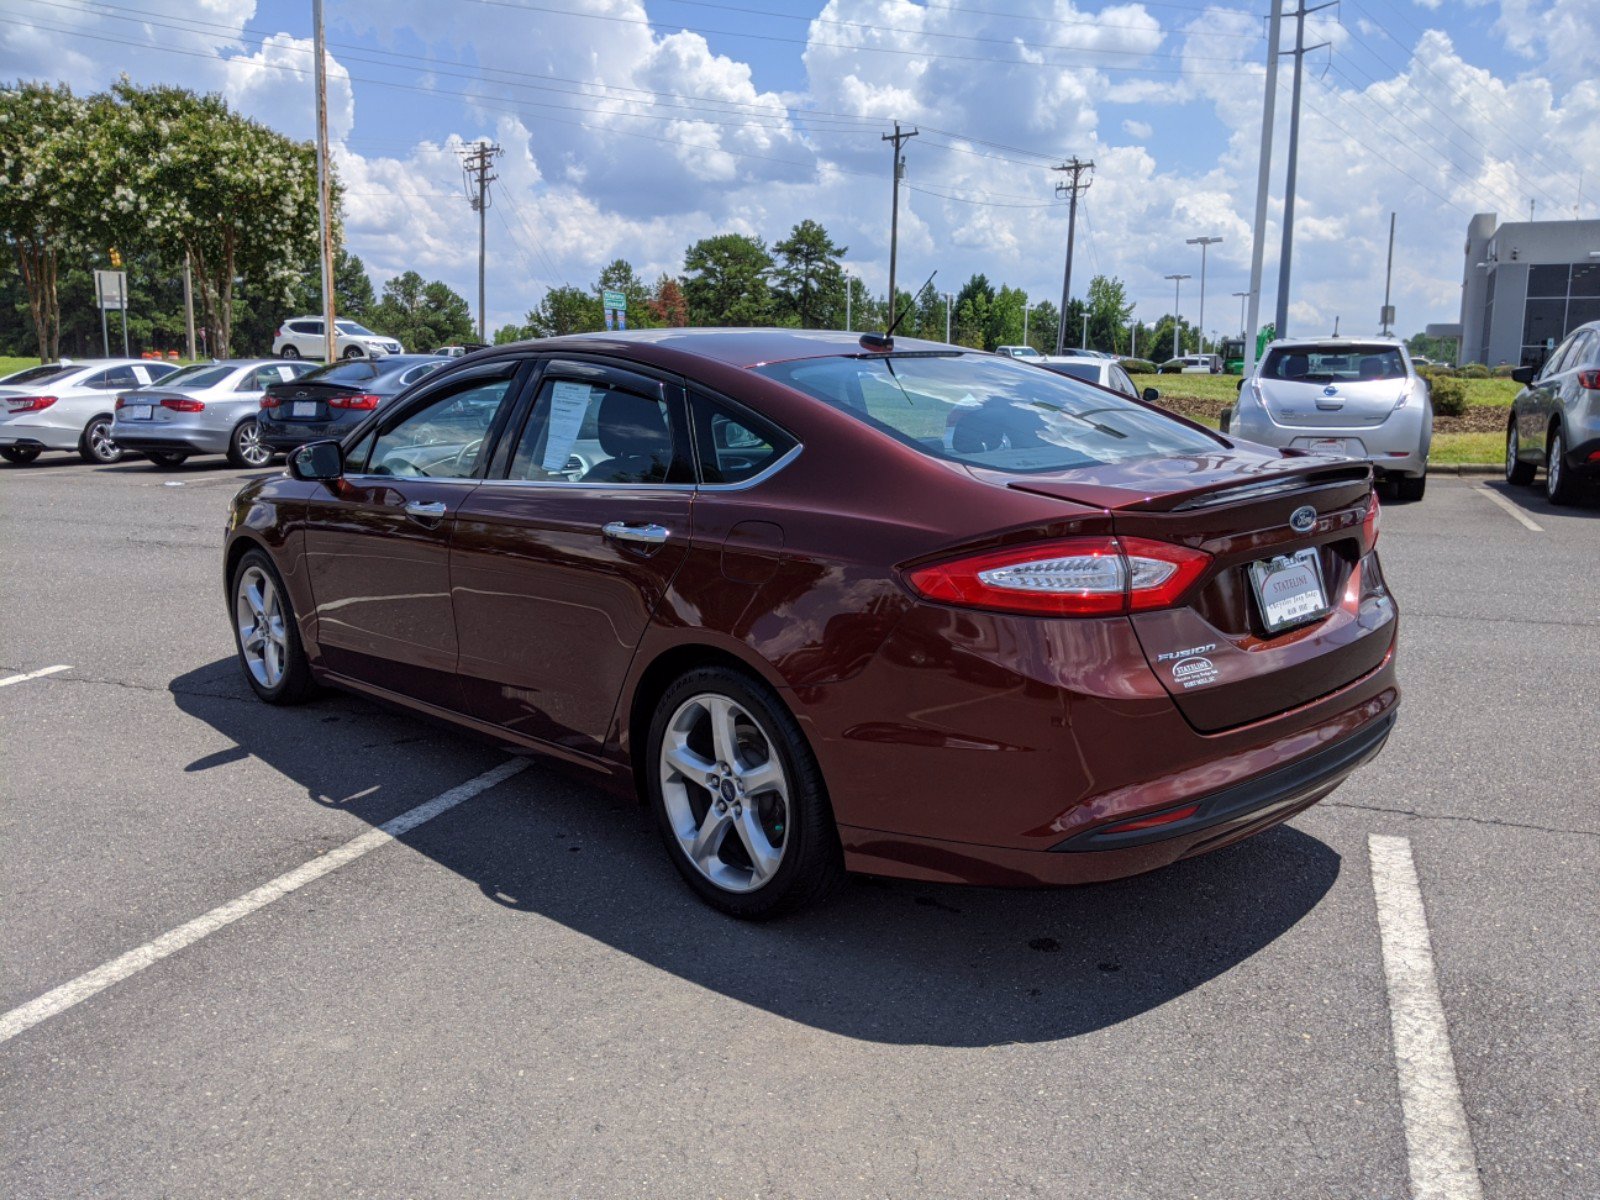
(630, 425)
(1294, 366)
(1372, 367)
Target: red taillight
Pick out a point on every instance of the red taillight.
(1589, 380)
(29, 403)
(1151, 822)
(184, 405)
(271, 401)
(121, 400)
(1073, 577)
(1369, 523)
(362, 401)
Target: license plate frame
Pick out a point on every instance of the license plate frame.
(137, 412)
(303, 408)
(1331, 445)
(1291, 611)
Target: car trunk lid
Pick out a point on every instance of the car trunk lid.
(1330, 404)
(307, 402)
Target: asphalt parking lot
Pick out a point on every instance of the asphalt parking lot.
(519, 998)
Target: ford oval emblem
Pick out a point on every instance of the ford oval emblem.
(1303, 518)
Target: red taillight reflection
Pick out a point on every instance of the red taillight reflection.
(1369, 524)
(1589, 380)
(184, 405)
(1151, 822)
(362, 401)
(18, 404)
(1071, 577)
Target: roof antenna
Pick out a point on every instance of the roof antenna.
(885, 340)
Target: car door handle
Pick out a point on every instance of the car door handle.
(652, 535)
(429, 511)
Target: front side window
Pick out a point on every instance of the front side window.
(595, 433)
(352, 329)
(990, 412)
(1344, 363)
(444, 438)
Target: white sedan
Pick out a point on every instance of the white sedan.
(71, 409)
(1107, 372)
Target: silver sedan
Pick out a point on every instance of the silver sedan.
(209, 408)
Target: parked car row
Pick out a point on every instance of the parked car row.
(246, 409)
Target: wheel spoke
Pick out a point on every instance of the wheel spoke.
(723, 716)
(767, 777)
(685, 761)
(254, 598)
(708, 838)
(763, 854)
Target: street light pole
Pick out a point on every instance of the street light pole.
(947, 299)
(1244, 329)
(1202, 242)
(1177, 325)
(330, 333)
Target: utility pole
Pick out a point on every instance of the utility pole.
(1388, 274)
(1177, 325)
(475, 166)
(1203, 243)
(188, 306)
(1078, 184)
(899, 139)
(1025, 308)
(947, 301)
(1083, 342)
(324, 187)
(1241, 297)
(847, 291)
(1285, 261)
(1258, 241)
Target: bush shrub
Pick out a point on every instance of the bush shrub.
(1449, 396)
(1474, 371)
(1138, 366)
(1503, 371)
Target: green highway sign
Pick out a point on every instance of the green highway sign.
(616, 300)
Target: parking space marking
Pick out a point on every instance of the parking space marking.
(1516, 513)
(1442, 1163)
(58, 1000)
(39, 674)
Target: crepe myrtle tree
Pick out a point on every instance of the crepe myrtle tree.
(44, 179)
(186, 174)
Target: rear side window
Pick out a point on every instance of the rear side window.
(1089, 371)
(597, 434)
(1342, 363)
(305, 326)
(990, 412)
(734, 446)
(115, 377)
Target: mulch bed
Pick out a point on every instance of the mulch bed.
(1484, 419)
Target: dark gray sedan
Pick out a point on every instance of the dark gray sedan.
(331, 401)
(1555, 419)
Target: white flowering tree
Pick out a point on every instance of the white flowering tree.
(190, 175)
(44, 179)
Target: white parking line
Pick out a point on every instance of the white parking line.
(39, 674)
(84, 986)
(1439, 1150)
(1516, 513)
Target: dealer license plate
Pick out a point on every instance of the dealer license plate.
(1289, 589)
(136, 412)
(304, 408)
(1339, 446)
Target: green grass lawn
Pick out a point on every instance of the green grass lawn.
(1468, 448)
(1490, 393)
(8, 365)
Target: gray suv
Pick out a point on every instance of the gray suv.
(1555, 419)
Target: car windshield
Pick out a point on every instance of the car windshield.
(200, 375)
(36, 374)
(358, 370)
(1079, 370)
(990, 412)
(353, 329)
(1343, 363)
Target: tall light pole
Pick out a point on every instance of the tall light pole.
(1244, 330)
(947, 299)
(1203, 243)
(1026, 309)
(324, 205)
(1258, 238)
(1286, 258)
(1177, 327)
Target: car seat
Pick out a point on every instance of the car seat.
(633, 431)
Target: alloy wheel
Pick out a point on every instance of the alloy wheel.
(250, 448)
(726, 792)
(101, 447)
(1552, 470)
(1512, 451)
(263, 633)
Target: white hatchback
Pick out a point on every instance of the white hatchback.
(71, 409)
(302, 337)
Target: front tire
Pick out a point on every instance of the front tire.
(353, 352)
(245, 447)
(739, 798)
(1518, 473)
(96, 446)
(1559, 485)
(266, 634)
(19, 456)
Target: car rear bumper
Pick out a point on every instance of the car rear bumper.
(286, 435)
(1397, 446)
(38, 437)
(1583, 459)
(190, 441)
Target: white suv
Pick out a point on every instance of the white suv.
(302, 337)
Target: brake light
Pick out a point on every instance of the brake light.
(1589, 380)
(365, 401)
(1072, 577)
(29, 403)
(1370, 522)
(121, 400)
(184, 405)
(271, 401)
(1151, 822)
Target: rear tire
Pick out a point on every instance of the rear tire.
(96, 447)
(19, 456)
(728, 773)
(167, 459)
(289, 351)
(1225, 419)
(1559, 485)
(266, 634)
(1518, 473)
(1409, 490)
(245, 447)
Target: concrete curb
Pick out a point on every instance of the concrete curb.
(1466, 469)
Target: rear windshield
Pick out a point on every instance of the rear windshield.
(200, 375)
(1089, 371)
(358, 370)
(36, 374)
(990, 412)
(1343, 363)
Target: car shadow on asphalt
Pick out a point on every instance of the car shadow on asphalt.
(886, 961)
(1532, 500)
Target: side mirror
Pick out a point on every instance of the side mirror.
(322, 460)
(1523, 374)
(1150, 395)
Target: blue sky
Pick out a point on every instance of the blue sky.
(633, 127)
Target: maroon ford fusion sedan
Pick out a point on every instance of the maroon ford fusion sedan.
(830, 603)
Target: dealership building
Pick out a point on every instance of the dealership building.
(1526, 285)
